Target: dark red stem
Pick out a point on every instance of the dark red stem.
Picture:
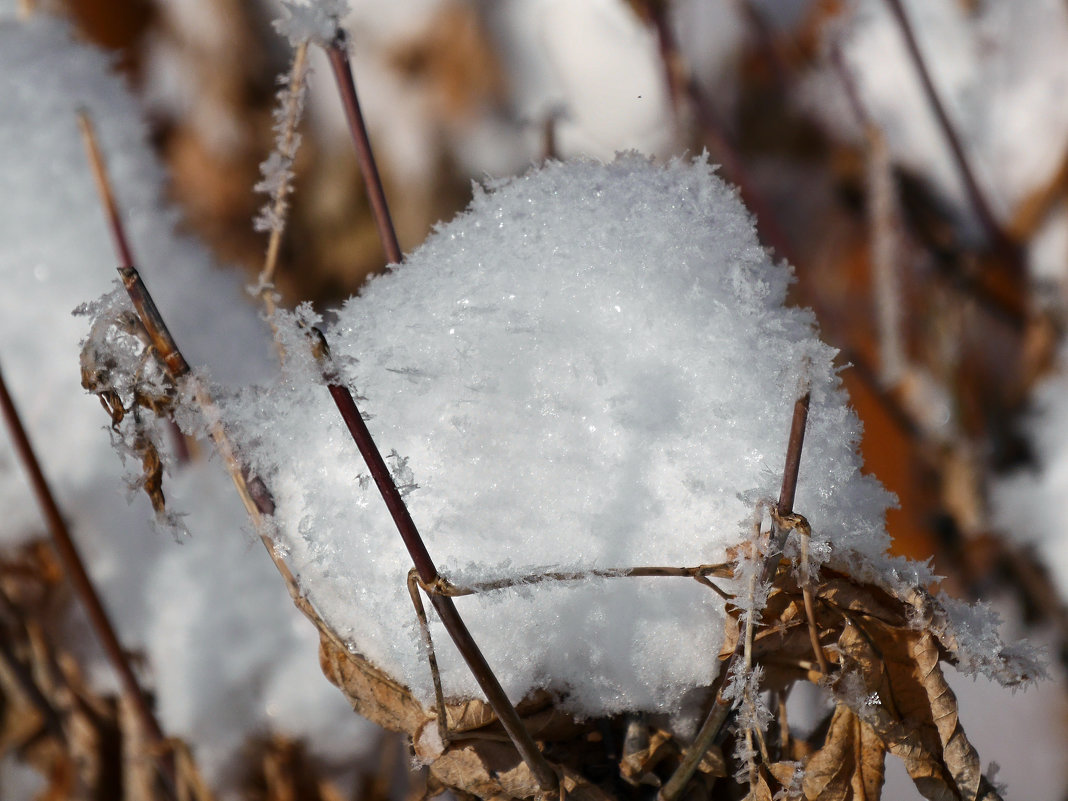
(794, 445)
(428, 574)
(83, 585)
(346, 84)
(994, 231)
(424, 565)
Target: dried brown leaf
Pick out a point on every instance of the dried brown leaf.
(636, 766)
(849, 766)
(759, 790)
(912, 709)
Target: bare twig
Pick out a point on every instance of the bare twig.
(785, 519)
(700, 573)
(339, 62)
(424, 565)
(798, 425)
(428, 575)
(977, 198)
(885, 258)
(83, 585)
(683, 84)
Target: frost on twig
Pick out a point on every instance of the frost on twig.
(277, 172)
(120, 367)
(316, 21)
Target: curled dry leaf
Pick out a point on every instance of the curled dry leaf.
(891, 697)
(850, 765)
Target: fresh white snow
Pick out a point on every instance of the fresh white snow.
(592, 367)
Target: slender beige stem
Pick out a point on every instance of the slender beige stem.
(286, 147)
(279, 204)
(442, 586)
(810, 604)
(414, 586)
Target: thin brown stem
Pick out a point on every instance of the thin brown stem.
(976, 196)
(431, 655)
(683, 84)
(346, 84)
(428, 575)
(810, 604)
(700, 573)
(798, 425)
(424, 565)
(72, 563)
(107, 197)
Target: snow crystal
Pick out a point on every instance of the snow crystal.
(593, 367)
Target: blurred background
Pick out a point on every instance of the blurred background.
(909, 159)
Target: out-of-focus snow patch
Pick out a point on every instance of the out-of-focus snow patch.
(1027, 504)
(19, 782)
(229, 654)
(56, 253)
(609, 79)
(1022, 730)
(1000, 73)
(1048, 248)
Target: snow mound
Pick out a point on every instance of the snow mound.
(593, 367)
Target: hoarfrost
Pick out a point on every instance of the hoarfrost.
(311, 20)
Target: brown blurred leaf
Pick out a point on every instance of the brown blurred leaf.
(849, 767)
(911, 707)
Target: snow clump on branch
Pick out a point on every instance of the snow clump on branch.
(591, 368)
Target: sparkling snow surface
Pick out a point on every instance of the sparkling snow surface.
(592, 367)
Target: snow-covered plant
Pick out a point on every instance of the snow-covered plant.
(586, 384)
(634, 464)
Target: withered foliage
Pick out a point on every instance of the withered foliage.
(885, 678)
(82, 743)
(134, 399)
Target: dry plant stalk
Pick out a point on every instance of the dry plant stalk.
(74, 567)
(278, 176)
(83, 744)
